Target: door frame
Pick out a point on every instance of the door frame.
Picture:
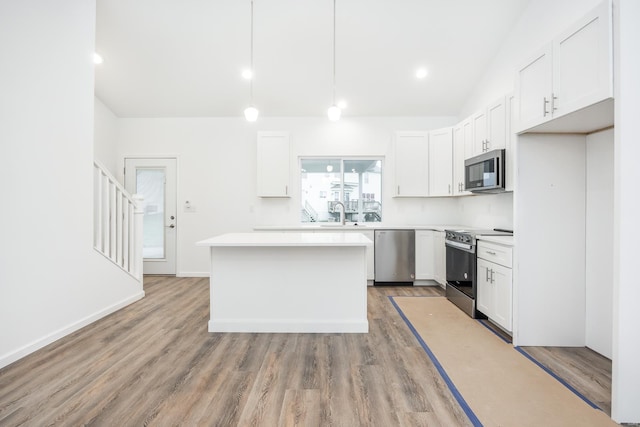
(176, 157)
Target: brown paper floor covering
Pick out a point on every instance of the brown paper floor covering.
(500, 386)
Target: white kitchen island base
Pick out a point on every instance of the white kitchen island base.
(288, 282)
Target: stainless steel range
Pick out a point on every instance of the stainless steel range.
(461, 267)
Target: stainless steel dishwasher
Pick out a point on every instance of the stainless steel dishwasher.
(395, 257)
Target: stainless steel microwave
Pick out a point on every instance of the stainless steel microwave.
(485, 173)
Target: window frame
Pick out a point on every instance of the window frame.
(342, 160)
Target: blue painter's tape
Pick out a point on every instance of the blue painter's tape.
(465, 406)
(563, 382)
(494, 332)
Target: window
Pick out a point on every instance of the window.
(355, 182)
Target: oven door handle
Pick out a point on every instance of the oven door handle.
(463, 246)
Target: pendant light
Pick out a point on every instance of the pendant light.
(334, 111)
(251, 112)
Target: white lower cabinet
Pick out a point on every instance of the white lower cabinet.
(495, 283)
(425, 258)
(440, 258)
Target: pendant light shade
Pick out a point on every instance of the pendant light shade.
(334, 111)
(251, 112)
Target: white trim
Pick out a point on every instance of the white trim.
(288, 326)
(193, 274)
(9, 358)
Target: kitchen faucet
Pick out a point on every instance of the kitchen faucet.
(343, 213)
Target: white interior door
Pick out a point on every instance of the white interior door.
(155, 180)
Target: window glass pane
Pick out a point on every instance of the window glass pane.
(362, 190)
(150, 184)
(324, 185)
(321, 186)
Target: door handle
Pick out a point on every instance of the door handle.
(171, 226)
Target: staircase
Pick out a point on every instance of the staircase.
(308, 213)
(117, 222)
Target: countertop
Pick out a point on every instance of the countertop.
(503, 240)
(361, 226)
(287, 239)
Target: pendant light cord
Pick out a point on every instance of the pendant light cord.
(334, 52)
(251, 60)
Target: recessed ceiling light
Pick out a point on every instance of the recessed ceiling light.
(97, 59)
(421, 73)
(247, 74)
(342, 104)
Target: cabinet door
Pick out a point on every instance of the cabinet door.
(582, 62)
(496, 125)
(425, 256)
(273, 164)
(479, 132)
(441, 162)
(501, 279)
(458, 160)
(534, 89)
(411, 152)
(485, 302)
(510, 161)
(440, 257)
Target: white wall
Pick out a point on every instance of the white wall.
(599, 242)
(51, 280)
(487, 211)
(626, 345)
(105, 136)
(217, 171)
(549, 294)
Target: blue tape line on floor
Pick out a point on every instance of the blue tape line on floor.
(563, 382)
(465, 406)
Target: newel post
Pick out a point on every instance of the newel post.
(138, 212)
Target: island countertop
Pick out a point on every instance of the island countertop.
(287, 239)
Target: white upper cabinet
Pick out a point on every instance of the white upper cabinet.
(489, 128)
(571, 73)
(479, 121)
(273, 164)
(510, 161)
(534, 89)
(441, 162)
(458, 159)
(411, 153)
(496, 125)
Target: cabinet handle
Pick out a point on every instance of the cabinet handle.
(553, 102)
(487, 145)
(286, 190)
(487, 278)
(491, 252)
(398, 190)
(449, 189)
(544, 106)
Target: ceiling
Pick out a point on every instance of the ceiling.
(170, 58)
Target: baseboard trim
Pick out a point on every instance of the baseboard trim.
(288, 326)
(18, 354)
(193, 274)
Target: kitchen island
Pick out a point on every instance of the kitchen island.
(288, 282)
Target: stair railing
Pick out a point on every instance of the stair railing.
(117, 222)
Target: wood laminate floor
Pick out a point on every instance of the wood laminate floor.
(155, 363)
